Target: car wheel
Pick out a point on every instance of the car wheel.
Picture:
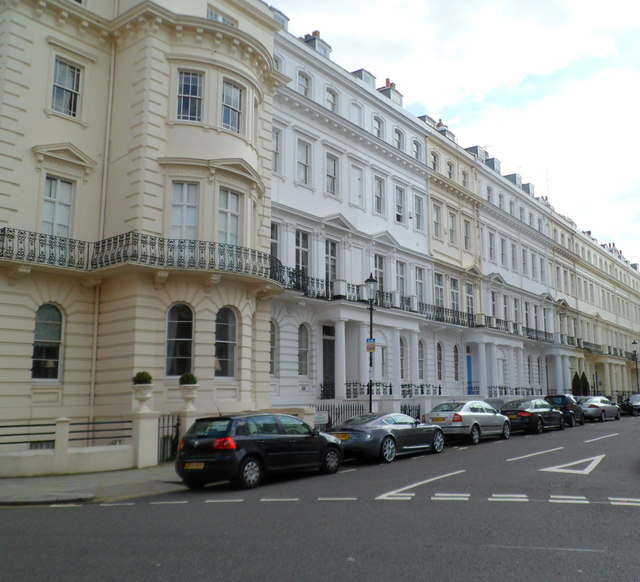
(474, 435)
(617, 416)
(249, 473)
(635, 412)
(506, 431)
(388, 449)
(561, 423)
(539, 427)
(603, 416)
(192, 483)
(330, 461)
(581, 421)
(572, 420)
(438, 441)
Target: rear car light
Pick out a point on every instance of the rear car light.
(593, 406)
(224, 443)
(456, 417)
(524, 413)
(181, 445)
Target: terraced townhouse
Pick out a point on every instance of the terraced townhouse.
(188, 187)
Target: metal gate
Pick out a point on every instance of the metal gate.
(168, 434)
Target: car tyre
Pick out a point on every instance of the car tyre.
(561, 423)
(388, 449)
(250, 473)
(603, 416)
(581, 421)
(330, 461)
(617, 416)
(438, 441)
(635, 412)
(194, 484)
(539, 427)
(474, 435)
(506, 431)
(572, 420)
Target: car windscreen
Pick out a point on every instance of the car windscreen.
(448, 407)
(634, 398)
(212, 428)
(584, 400)
(360, 419)
(519, 404)
(556, 399)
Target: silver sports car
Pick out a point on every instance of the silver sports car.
(383, 436)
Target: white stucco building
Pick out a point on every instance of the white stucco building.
(187, 187)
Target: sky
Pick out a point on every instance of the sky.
(549, 87)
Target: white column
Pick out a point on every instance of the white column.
(482, 368)
(340, 360)
(519, 367)
(558, 373)
(396, 380)
(493, 365)
(363, 355)
(413, 357)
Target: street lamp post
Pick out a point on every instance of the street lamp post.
(372, 290)
(634, 343)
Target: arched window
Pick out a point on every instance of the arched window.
(226, 340)
(47, 340)
(179, 340)
(421, 360)
(403, 359)
(439, 361)
(456, 363)
(303, 351)
(273, 348)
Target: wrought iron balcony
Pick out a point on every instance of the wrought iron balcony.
(452, 316)
(297, 280)
(134, 247)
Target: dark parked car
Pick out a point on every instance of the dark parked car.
(568, 405)
(532, 415)
(630, 405)
(245, 447)
(383, 436)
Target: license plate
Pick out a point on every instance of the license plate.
(512, 416)
(194, 465)
(343, 436)
(438, 419)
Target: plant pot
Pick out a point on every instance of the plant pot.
(142, 394)
(188, 392)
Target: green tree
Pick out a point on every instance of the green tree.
(585, 385)
(576, 385)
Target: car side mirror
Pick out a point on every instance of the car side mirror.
(315, 432)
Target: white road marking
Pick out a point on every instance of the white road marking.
(451, 497)
(593, 463)
(65, 505)
(602, 437)
(398, 495)
(347, 471)
(276, 499)
(509, 497)
(115, 504)
(223, 500)
(568, 499)
(624, 501)
(587, 550)
(337, 499)
(535, 454)
(168, 502)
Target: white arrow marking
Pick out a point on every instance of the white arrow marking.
(398, 495)
(594, 462)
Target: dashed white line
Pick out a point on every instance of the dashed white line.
(602, 437)
(451, 497)
(536, 454)
(624, 501)
(279, 499)
(337, 499)
(116, 504)
(568, 499)
(223, 500)
(65, 505)
(168, 502)
(509, 497)
(399, 495)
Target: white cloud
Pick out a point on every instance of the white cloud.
(550, 86)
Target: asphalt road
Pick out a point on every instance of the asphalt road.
(564, 505)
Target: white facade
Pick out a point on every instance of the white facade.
(185, 186)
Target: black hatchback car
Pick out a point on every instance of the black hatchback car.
(569, 406)
(532, 415)
(243, 448)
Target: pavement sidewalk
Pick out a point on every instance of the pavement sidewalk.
(107, 486)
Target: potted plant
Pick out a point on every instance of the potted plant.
(188, 389)
(188, 379)
(142, 386)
